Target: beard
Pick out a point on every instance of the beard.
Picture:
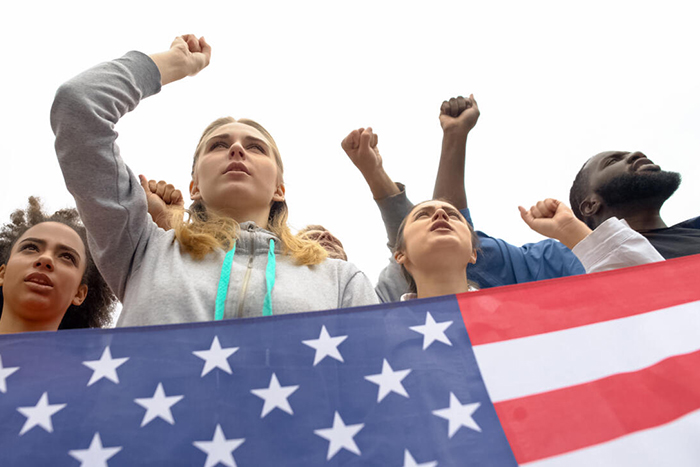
(636, 188)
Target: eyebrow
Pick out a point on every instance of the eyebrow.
(60, 245)
(610, 156)
(246, 139)
(433, 208)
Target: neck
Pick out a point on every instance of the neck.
(259, 216)
(638, 217)
(10, 323)
(441, 282)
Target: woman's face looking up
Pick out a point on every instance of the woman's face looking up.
(236, 171)
(436, 231)
(43, 275)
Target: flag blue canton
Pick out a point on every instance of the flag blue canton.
(392, 385)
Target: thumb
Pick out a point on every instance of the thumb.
(527, 216)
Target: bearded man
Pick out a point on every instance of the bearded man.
(629, 186)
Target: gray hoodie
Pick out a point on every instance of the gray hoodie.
(143, 264)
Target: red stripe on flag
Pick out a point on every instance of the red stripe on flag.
(555, 422)
(538, 307)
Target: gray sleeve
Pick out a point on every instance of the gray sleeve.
(393, 210)
(108, 195)
(358, 292)
(391, 283)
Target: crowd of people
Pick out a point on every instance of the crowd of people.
(231, 253)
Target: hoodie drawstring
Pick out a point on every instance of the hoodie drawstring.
(225, 278)
(270, 279)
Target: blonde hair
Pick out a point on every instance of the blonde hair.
(204, 231)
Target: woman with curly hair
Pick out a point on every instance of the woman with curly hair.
(48, 280)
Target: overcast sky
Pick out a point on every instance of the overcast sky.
(555, 83)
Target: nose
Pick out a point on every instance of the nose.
(633, 156)
(45, 262)
(440, 214)
(237, 151)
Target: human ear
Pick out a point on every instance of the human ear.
(2, 275)
(80, 295)
(400, 257)
(590, 206)
(195, 194)
(472, 260)
(279, 193)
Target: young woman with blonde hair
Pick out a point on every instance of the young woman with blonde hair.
(232, 254)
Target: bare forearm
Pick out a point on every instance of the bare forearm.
(381, 184)
(449, 183)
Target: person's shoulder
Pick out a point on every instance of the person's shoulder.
(693, 223)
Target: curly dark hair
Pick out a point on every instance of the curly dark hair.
(96, 309)
(401, 246)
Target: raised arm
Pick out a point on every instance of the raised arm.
(84, 113)
(457, 118)
(361, 147)
(612, 245)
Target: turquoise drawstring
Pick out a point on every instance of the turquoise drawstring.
(225, 278)
(270, 279)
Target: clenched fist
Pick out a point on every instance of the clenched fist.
(554, 219)
(361, 147)
(161, 197)
(459, 114)
(187, 56)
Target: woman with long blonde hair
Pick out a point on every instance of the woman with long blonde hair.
(231, 255)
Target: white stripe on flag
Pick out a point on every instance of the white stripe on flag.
(674, 444)
(531, 365)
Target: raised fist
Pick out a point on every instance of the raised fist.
(361, 147)
(554, 219)
(187, 56)
(161, 198)
(459, 114)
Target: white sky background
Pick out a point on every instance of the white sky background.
(555, 83)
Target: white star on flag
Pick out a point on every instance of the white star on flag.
(216, 357)
(4, 373)
(389, 381)
(95, 455)
(458, 415)
(219, 449)
(326, 346)
(158, 406)
(340, 436)
(105, 367)
(409, 461)
(275, 396)
(432, 331)
(40, 414)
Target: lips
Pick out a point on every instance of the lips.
(441, 225)
(237, 166)
(643, 164)
(39, 279)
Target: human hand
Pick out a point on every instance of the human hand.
(459, 115)
(554, 219)
(161, 198)
(187, 56)
(361, 147)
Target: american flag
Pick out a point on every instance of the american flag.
(590, 370)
